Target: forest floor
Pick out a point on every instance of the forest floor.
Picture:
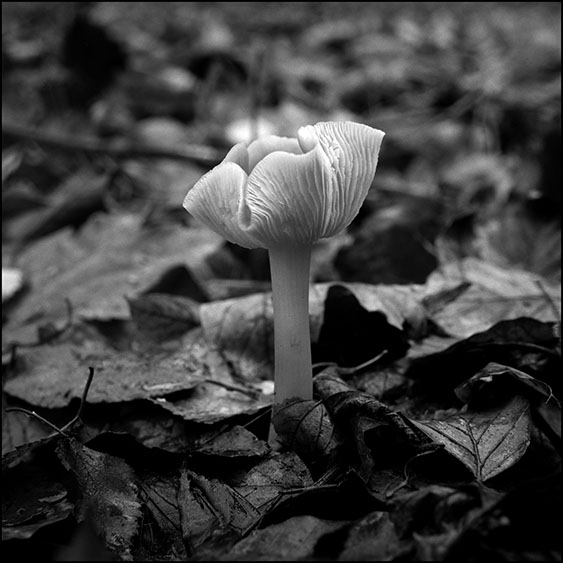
(138, 345)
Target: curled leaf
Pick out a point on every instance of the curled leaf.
(305, 427)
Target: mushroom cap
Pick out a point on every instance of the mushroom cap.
(280, 190)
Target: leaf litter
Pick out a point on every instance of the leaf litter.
(434, 433)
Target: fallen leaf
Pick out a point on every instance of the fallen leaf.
(110, 495)
(216, 399)
(335, 496)
(372, 538)
(51, 375)
(305, 428)
(264, 482)
(496, 380)
(33, 495)
(431, 519)
(110, 258)
(160, 317)
(159, 493)
(236, 442)
(210, 509)
(487, 443)
(525, 344)
(370, 425)
(292, 540)
(242, 328)
(514, 238)
(496, 294)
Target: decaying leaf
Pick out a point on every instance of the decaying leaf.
(211, 509)
(33, 494)
(159, 493)
(305, 428)
(488, 442)
(110, 495)
(377, 432)
(267, 479)
(235, 442)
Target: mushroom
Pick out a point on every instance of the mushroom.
(283, 194)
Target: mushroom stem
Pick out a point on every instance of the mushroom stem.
(293, 371)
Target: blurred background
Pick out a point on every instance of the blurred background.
(121, 106)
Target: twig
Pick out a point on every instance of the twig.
(308, 488)
(82, 400)
(62, 430)
(38, 417)
(351, 370)
(252, 393)
(199, 154)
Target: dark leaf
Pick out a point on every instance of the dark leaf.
(109, 495)
(305, 428)
(292, 540)
(160, 317)
(335, 497)
(263, 484)
(525, 344)
(159, 492)
(496, 381)
(33, 493)
(236, 442)
(370, 425)
(243, 329)
(373, 538)
(347, 333)
(211, 510)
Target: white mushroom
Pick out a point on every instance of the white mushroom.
(283, 194)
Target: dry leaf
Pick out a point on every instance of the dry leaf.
(110, 258)
(487, 443)
(496, 294)
(52, 375)
(109, 498)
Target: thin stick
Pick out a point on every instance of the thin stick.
(252, 393)
(82, 400)
(352, 370)
(199, 154)
(38, 417)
